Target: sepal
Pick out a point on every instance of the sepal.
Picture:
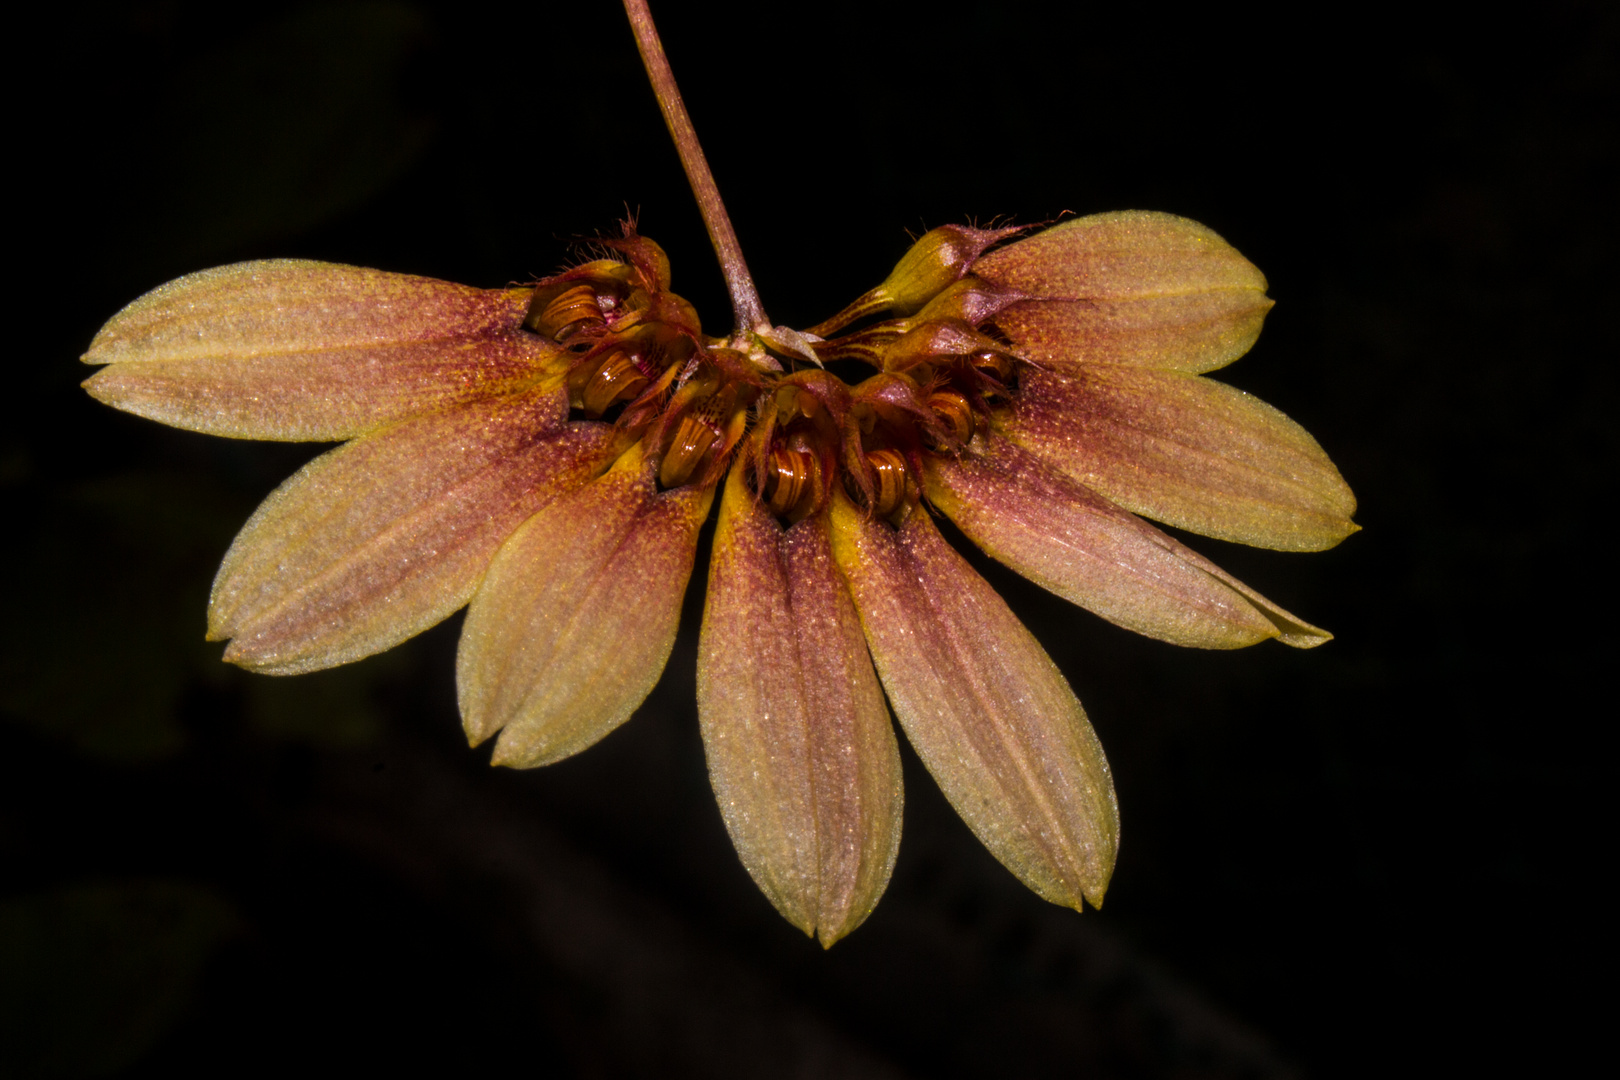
(294, 350)
(575, 620)
(1133, 287)
(986, 709)
(801, 753)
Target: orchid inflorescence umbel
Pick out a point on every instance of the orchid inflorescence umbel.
(545, 455)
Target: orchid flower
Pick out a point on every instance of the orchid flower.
(546, 455)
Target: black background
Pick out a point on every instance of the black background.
(1378, 855)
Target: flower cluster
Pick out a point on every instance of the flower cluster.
(546, 456)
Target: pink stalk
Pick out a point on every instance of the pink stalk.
(745, 304)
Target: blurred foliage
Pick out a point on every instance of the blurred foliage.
(93, 976)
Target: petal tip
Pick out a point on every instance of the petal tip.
(245, 658)
(1325, 538)
(93, 385)
(506, 757)
(475, 733)
(514, 752)
(222, 626)
(847, 925)
(1306, 637)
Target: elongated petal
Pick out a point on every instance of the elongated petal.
(1187, 451)
(296, 350)
(984, 706)
(1074, 542)
(377, 540)
(1133, 287)
(576, 617)
(801, 753)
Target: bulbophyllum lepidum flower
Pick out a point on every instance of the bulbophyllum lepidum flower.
(546, 456)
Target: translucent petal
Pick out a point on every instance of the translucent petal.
(1187, 451)
(295, 350)
(801, 753)
(379, 539)
(1072, 541)
(1133, 287)
(984, 706)
(577, 615)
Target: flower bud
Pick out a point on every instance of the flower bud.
(934, 262)
(972, 300)
(933, 342)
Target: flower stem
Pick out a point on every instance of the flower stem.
(745, 304)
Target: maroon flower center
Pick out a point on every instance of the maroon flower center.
(636, 357)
